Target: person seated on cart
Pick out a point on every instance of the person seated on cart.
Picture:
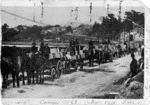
(46, 51)
(66, 59)
(34, 48)
(72, 46)
(42, 48)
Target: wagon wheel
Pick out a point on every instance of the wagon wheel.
(59, 69)
(81, 65)
(75, 66)
(68, 66)
(53, 72)
(111, 57)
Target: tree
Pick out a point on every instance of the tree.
(20, 27)
(110, 27)
(133, 19)
(9, 34)
(5, 28)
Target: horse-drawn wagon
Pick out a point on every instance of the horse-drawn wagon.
(35, 66)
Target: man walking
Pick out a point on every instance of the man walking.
(133, 66)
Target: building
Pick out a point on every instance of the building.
(82, 29)
(136, 35)
(54, 29)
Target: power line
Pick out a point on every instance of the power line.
(23, 17)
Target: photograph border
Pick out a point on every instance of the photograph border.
(145, 101)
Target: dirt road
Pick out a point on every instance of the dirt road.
(93, 82)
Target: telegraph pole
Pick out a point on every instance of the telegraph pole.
(90, 12)
(107, 15)
(119, 16)
(107, 9)
(120, 8)
(42, 12)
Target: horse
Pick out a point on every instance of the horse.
(108, 53)
(37, 63)
(11, 64)
(6, 69)
(90, 54)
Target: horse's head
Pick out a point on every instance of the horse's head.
(29, 55)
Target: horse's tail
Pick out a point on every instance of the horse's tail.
(18, 64)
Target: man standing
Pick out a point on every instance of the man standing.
(90, 43)
(91, 53)
(72, 46)
(133, 66)
(77, 46)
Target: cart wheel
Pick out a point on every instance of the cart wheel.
(75, 66)
(81, 65)
(111, 60)
(53, 72)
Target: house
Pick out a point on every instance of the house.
(44, 32)
(136, 34)
(54, 29)
(82, 29)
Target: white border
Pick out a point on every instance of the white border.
(145, 101)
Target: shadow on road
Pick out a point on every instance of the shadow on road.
(95, 70)
(52, 84)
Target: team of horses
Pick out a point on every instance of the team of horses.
(18, 62)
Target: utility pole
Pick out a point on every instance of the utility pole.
(107, 9)
(119, 16)
(107, 15)
(42, 12)
(90, 12)
(120, 8)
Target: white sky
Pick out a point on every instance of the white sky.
(58, 12)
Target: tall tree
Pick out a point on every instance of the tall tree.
(133, 19)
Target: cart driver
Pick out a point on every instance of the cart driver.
(34, 48)
(46, 51)
(42, 48)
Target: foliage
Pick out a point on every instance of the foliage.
(69, 29)
(8, 33)
(110, 28)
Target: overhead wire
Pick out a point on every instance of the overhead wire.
(22, 17)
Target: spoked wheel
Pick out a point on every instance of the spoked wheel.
(53, 72)
(75, 66)
(81, 65)
(59, 69)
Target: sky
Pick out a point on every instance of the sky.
(59, 12)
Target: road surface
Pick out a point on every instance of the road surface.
(93, 82)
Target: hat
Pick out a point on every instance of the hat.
(132, 55)
(33, 43)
